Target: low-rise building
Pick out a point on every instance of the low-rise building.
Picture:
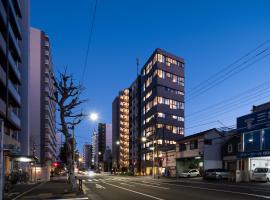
(200, 151)
(230, 149)
(254, 129)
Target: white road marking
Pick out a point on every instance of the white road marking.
(100, 186)
(229, 185)
(82, 198)
(149, 185)
(143, 194)
(220, 190)
(127, 184)
(90, 180)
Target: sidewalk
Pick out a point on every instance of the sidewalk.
(58, 188)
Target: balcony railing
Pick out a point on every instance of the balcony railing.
(3, 13)
(18, 9)
(2, 76)
(14, 67)
(12, 90)
(15, 19)
(2, 43)
(14, 119)
(2, 107)
(15, 43)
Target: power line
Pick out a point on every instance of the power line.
(225, 78)
(243, 96)
(89, 39)
(226, 111)
(229, 71)
(228, 67)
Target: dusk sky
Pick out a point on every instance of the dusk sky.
(209, 35)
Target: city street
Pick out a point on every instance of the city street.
(99, 187)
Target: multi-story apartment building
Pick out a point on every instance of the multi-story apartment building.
(104, 145)
(87, 156)
(135, 126)
(162, 106)
(121, 131)
(95, 149)
(42, 109)
(14, 64)
(115, 133)
(101, 142)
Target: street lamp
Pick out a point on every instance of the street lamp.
(144, 139)
(93, 116)
(117, 143)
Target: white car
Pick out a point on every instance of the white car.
(261, 174)
(190, 173)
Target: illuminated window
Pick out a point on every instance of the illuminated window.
(160, 58)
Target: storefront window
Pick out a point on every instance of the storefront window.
(252, 141)
(266, 139)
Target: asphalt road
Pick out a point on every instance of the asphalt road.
(107, 187)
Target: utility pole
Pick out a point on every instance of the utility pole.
(2, 168)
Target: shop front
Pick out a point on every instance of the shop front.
(255, 152)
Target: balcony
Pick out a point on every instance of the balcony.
(3, 13)
(14, 67)
(2, 107)
(3, 76)
(15, 43)
(3, 44)
(17, 6)
(15, 20)
(14, 119)
(14, 93)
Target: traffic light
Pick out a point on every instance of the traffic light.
(55, 164)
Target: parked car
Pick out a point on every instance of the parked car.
(190, 173)
(261, 174)
(216, 174)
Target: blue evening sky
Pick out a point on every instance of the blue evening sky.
(209, 35)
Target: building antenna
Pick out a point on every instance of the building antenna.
(137, 63)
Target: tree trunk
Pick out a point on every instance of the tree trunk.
(69, 153)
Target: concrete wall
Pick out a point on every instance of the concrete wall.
(213, 152)
(35, 94)
(24, 113)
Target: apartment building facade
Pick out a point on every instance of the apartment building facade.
(95, 149)
(14, 72)
(120, 127)
(42, 111)
(87, 156)
(135, 126)
(162, 121)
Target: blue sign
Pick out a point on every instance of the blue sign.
(253, 154)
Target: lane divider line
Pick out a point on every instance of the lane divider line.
(143, 194)
(155, 186)
(220, 190)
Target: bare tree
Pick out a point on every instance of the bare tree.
(67, 97)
